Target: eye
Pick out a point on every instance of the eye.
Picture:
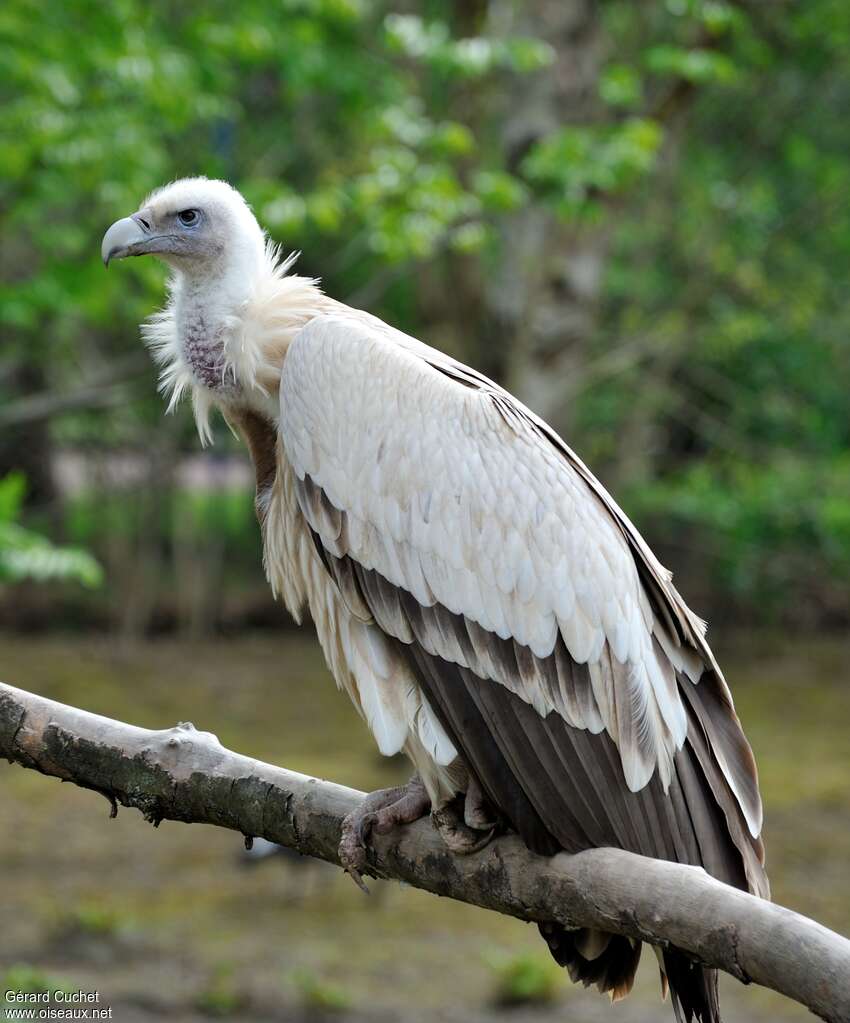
(188, 217)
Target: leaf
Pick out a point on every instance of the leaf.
(13, 489)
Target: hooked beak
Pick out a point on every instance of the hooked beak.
(131, 236)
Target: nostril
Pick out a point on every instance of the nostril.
(145, 224)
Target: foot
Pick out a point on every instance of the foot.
(460, 838)
(379, 813)
(468, 822)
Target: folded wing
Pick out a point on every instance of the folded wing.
(547, 639)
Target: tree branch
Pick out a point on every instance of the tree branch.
(107, 388)
(182, 774)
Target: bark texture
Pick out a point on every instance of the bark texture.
(182, 774)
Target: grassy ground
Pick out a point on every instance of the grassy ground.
(171, 924)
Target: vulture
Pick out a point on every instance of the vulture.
(489, 609)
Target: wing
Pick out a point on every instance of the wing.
(548, 640)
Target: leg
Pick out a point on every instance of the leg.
(380, 812)
(478, 814)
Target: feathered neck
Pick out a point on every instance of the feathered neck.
(224, 341)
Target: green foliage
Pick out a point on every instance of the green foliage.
(28, 555)
(219, 518)
(220, 997)
(30, 979)
(526, 979)
(432, 42)
(95, 919)
(575, 164)
(621, 86)
(373, 137)
(318, 995)
(727, 278)
(698, 66)
(306, 108)
(799, 509)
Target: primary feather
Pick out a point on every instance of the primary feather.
(476, 591)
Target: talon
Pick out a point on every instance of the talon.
(357, 878)
(352, 854)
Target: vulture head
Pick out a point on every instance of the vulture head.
(232, 307)
(198, 226)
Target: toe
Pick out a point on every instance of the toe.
(466, 842)
(384, 821)
(478, 819)
(365, 824)
(352, 856)
(458, 837)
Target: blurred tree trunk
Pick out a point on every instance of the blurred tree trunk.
(198, 546)
(27, 447)
(543, 295)
(143, 576)
(525, 313)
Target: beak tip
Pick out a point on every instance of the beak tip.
(124, 238)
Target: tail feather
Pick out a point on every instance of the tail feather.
(693, 988)
(612, 970)
(610, 962)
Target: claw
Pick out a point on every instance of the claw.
(357, 878)
(352, 854)
(352, 850)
